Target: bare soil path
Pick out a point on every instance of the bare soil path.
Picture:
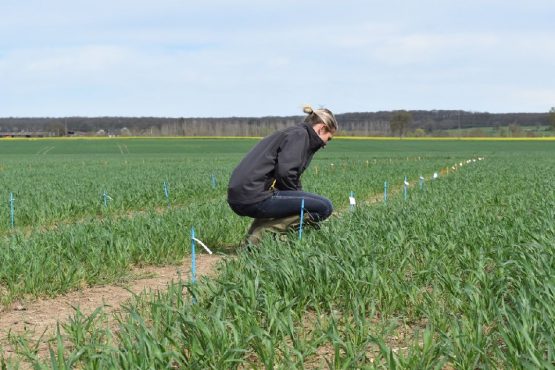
(41, 316)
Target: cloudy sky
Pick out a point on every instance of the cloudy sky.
(269, 57)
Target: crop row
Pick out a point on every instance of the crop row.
(53, 258)
(458, 276)
(67, 185)
(49, 192)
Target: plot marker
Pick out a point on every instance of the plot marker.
(302, 219)
(193, 256)
(352, 201)
(167, 192)
(12, 211)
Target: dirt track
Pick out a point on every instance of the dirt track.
(41, 316)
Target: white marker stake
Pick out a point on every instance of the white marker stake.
(434, 177)
(352, 201)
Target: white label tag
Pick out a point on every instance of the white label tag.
(352, 201)
(203, 245)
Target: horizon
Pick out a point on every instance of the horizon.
(267, 116)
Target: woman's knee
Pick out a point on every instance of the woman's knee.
(328, 209)
(323, 209)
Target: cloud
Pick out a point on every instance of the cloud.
(257, 58)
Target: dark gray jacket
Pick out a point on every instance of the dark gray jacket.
(283, 156)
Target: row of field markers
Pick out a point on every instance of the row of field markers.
(421, 179)
(106, 198)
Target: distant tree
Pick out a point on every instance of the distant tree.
(56, 128)
(552, 118)
(434, 122)
(476, 132)
(419, 132)
(400, 121)
(515, 130)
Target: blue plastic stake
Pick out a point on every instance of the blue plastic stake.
(406, 188)
(12, 212)
(193, 257)
(213, 182)
(421, 182)
(167, 192)
(302, 219)
(105, 199)
(385, 192)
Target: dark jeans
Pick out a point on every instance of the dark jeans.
(287, 203)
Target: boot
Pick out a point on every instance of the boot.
(275, 225)
(283, 225)
(256, 230)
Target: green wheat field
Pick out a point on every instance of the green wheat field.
(456, 273)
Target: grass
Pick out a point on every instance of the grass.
(458, 275)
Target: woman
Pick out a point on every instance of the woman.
(266, 185)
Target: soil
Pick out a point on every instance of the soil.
(41, 316)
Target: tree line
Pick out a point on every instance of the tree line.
(382, 123)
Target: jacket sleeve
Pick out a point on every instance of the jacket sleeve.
(289, 161)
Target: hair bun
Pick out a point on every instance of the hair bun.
(308, 109)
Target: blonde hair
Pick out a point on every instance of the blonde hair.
(322, 115)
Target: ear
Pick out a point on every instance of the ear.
(317, 127)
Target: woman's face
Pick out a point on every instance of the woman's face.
(324, 133)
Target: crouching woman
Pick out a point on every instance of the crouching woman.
(266, 185)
